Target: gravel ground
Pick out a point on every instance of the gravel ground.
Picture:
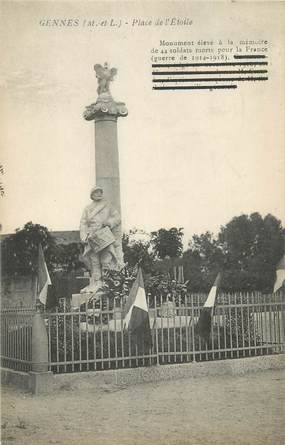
(212, 410)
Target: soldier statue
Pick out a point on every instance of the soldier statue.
(100, 232)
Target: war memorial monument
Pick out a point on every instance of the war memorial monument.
(100, 225)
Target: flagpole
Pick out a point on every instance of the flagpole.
(36, 290)
(192, 325)
(37, 280)
(156, 334)
(40, 356)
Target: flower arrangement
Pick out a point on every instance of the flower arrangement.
(117, 284)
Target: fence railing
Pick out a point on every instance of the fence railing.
(16, 338)
(93, 337)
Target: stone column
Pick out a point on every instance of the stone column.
(105, 112)
(107, 158)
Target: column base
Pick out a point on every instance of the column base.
(78, 299)
(41, 382)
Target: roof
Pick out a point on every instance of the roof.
(60, 236)
(66, 236)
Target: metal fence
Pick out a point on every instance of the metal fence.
(16, 338)
(93, 337)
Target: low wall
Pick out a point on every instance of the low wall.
(40, 383)
(18, 291)
(15, 378)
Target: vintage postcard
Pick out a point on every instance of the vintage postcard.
(168, 115)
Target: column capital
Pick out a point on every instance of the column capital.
(104, 109)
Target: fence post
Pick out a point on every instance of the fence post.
(39, 344)
(282, 321)
(192, 326)
(40, 375)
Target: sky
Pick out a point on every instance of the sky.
(191, 159)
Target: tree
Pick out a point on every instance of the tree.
(210, 252)
(246, 250)
(167, 243)
(137, 249)
(67, 257)
(252, 247)
(202, 261)
(20, 250)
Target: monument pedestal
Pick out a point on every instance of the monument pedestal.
(78, 299)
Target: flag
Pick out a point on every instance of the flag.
(205, 319)
(280, 274)
(136, 316)
(43, 277)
